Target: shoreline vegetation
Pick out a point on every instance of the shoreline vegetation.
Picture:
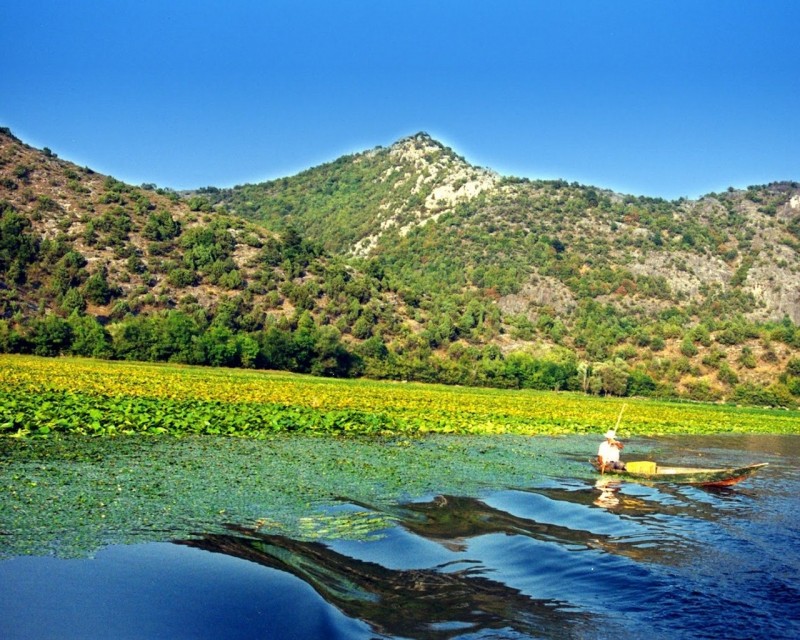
(42, 397)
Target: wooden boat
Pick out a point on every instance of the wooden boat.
(704, 477)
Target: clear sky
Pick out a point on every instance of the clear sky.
(661, 98)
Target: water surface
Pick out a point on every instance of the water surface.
(464, 537)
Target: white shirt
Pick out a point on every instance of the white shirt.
(608, 452)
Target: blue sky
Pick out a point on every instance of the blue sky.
(660, 98)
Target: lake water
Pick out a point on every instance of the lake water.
(502, 537)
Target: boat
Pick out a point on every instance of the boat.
(649, 471)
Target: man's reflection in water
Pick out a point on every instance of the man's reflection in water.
(608, 493)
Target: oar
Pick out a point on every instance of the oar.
(619, 417)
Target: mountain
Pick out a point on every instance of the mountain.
(409, 262)
(739, 244)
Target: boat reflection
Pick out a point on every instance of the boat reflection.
(704, 503)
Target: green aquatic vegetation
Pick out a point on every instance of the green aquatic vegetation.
(40, 414)
(43, 396)
(357, 525)
(70, 495)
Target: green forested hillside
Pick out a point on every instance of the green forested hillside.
(408, 262)
(92, 266)
(434, 220)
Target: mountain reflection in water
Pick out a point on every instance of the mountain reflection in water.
(448, 599)
(437, 603)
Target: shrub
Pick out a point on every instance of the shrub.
(702, 391)
(714, 358)
(747, 358)
(231, 280)
(688, 348)
(773, 396)
(731, 336)
(161, 227)
(22, 172)
(181, 277)
(727, 375)
(198, 203)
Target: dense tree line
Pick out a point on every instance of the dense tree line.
(175, 336)
(302, 345)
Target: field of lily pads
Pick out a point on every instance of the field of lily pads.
(45, 396)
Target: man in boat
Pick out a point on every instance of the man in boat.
(608, 453)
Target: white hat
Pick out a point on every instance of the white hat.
(611, 434)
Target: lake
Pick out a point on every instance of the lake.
(443, 537)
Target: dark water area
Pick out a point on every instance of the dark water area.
(566, 554)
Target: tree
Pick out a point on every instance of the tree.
(68, 273)
(584, 369)
(538, 373)
(96, 288)
(220, 346)
(248, 349)
(362, 328)
(73, 300)
(89, 338)
(373, 347)
(134, 338)
(276, 349)
(50, 335)
(640, 384)
(161, 226)
(10, 339)
(304, 341)
(610, 378)
(332, 358)
(178, 338)
(18, 247)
